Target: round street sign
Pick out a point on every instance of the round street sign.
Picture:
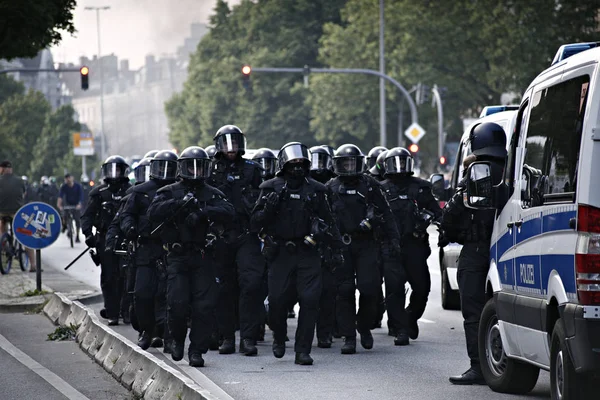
(37, 225)
(414, 132)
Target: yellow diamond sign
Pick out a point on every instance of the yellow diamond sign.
(414, 132)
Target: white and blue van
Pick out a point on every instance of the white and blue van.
(543, 283)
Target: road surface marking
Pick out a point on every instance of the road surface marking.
(69, 391)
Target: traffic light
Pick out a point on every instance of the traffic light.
(442, 160)
(246, 70)
(413, 148)
(85, 75)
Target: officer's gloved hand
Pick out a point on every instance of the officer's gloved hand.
(271, 201)
(131, 233)
(395, 247)
(90, 241)
(442, 239)
(189, 201)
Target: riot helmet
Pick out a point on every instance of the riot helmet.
(349, 160)
(379, 167)
(230, 139)
(373, 154)
(294, 157)
(115, 168)
(267, 161)
(164, 166)
(320, 160)
(141, 172)
(151, 154)
(398, 161)
(194, 164)
(211, 150)
(488, 140)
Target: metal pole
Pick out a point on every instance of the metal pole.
(383, 135)
(440, 112)
(38, 271)
(401, 124)
(83, 166)
(101, 68)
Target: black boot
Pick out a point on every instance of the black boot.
(228, 347)
(103, 313)
(278, 349)
(413, 328)
(349, 346)
(401, 339)
(324, 343)
(472, 376)
(168, 346)
(113, 322)
(196, 360)
(366, 340)
(144, 341)
(303, 359)
(248, 348)
(214, 342)
(176, 351)
(156, 342)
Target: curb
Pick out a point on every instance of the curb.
(21, 305)
(136, 369)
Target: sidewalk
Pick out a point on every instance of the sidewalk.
(14, 288)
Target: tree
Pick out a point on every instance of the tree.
(9, 87)
(28, 26)
(22, 118)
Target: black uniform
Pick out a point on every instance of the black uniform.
(294, 267)
(354, 200)
(407, 195)
(242, 265)
(190, 268)
(101, 209)
(150, 275)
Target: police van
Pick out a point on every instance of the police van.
(543, 285)
(505, 116)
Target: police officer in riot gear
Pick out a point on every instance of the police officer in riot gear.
(377, 171)
(141, 172)
(211, 151)
(293, 215)
(102, 205)
(473, 229)
(150, 276)
(321, 164)
(410, 199)
(243, 263)
(151, 154)
(183, 213)
(373, 154)
(266, 159)
(359, 206)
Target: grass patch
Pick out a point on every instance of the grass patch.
(39, 308)
(35, 292)
(63, 333)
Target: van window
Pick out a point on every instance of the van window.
(518, 130)
(553, 140)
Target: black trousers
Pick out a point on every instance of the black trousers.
(150, 300)
(131, 272)
(111, 282)
(191, 283)
(243, 266)
(295, 275)
(359, 271)
(326, 320)
(415, 254)
(473, 266)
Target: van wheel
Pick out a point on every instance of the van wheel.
(565, 382)
(502, 374)
(450, 298)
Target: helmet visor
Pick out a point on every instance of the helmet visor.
(114, 171)
(371, 162)
(193, 168)
(349, 165)
(142, 173)
(162, 169)
(267, 165)
(231, 143)
(293, 152)
(398, 165)
(320, 161)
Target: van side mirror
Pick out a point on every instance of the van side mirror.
(438, 186)
(479, 186)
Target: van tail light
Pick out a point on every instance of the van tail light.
(587, 255)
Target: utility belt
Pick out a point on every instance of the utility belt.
(293, 246)
(181, 248)
(347, 238)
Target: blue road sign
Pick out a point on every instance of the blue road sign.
(37, 225)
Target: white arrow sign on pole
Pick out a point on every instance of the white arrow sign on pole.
(414, 132)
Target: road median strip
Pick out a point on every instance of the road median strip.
(137, 370)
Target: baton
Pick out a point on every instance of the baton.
(77, 258)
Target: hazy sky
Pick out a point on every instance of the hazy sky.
(131, 29)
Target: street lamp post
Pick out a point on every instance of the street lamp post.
(382, 134)
(101, 68)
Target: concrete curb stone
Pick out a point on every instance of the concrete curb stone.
(135, 369)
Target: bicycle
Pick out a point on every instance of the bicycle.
(10, 249)
(70, 222)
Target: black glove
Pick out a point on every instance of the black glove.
(442, 239)
(271, 201)
(131, 233)
(90, 241)
(395, 247)
(189, 201)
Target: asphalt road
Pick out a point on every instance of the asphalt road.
(419, 371)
